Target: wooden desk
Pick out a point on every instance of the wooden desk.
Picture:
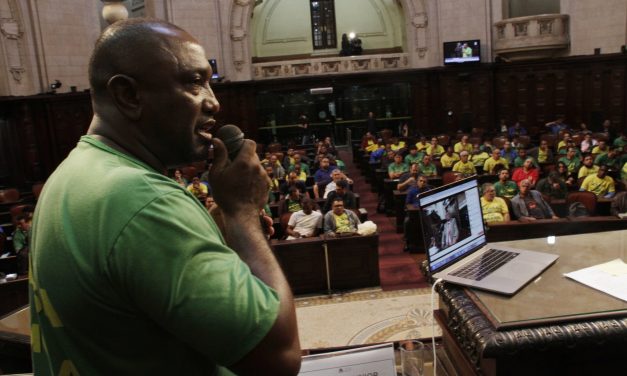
(15, 342)
(323, 264)
(554, 326)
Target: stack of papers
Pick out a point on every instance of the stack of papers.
(610, 277)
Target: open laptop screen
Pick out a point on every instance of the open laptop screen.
(452, 223)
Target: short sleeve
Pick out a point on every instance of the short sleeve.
(172, 263)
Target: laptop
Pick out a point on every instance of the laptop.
(456, 245)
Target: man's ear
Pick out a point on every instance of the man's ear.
(125, 95)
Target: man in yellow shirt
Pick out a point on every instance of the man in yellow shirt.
(464, 166)
(449, 158)
(588, 168)
(463, 145)
(493, 161)
(434, 149)
(422, 144)
(494, 208)
(599, 184)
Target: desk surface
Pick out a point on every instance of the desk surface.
(553, 298)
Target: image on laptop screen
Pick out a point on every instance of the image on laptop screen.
(452, 223)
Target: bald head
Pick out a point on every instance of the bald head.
(133, 47)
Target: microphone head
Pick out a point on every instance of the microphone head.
(232, 137)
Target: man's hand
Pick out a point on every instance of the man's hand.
(242, 184)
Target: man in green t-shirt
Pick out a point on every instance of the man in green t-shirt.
(505, 187)
(129, 272)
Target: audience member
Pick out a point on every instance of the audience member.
(568, 178)
(599, 184)
(587, 168)
(408, 179)
(609, 159)
(563, 143)
(553, 186)
(198, 189)
(462, 145)
(180, 179)
(300, 174)
(434, 149)
(336, 175)
(528, 171)
(557, 125)
(427, 167)
(495, 160)
(277, 169)
(340, 221)
(422, 144)
(322, 177)
(21, 238)
(413, 156)
(601, 148)
(516, 130)
(621, 141)
(449, 158)
(304, 223)
(508, 152)
(494, 208)
(398, 168)
(521, 157)
(291, 203)
(464, 166)
(528, 204)
(390, 155)
(571, 161)
(274, 188)
(341, 192)
(588, 143)
(293, 181)
(478, 156)
(421, 186)
(209, 202)
(505, 187)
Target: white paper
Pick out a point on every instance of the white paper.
(373, 360)
(609, 277)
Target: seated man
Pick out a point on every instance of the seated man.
(292, 181)
(340, 221)
(292, 202)
(522, 156)
(304, 223)
(610, 159)
(505, 187)
(322, 177)
(543, 153)
(336, 175)
(341, 192)
(528, 204)
(494, 208)
(496, 159)
(509, 152)
(304, 167)
(619, 204)
(421, 186)
(198, 189)
(571, 161)
(422, 144)
(414, 156)
(449, 158)
(478, 156)
(398, 168)
(588, 168)
(434, 149)
(464, 166)
(599, 184)
(527, 171)
(553, 186)
(408, 179)
(427, 168)
(462, 145)
(21, 237)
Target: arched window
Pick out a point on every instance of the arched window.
(323, 24)
(522, 8)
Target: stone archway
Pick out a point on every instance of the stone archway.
(239, 25)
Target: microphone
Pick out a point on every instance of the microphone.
(233, 139)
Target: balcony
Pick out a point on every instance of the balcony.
(330, 65)
(532, 37)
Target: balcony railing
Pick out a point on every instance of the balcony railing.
(532, 37)
(330, 65)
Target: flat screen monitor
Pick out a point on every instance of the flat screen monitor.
(462, 52)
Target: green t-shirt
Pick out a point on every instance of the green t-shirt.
(412, 159)
(130, 275)
(400, 168)
(428, 170)
(509, 189)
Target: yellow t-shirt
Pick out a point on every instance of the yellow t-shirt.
(421, 146)
(400, 145)
(597, 150)
(342, 223)
(372, 146)
(597, 185)
(459, 147)
(494, 211)
(447, 161)
(490, 163)
(585, 171)
(467, 168)
(542, 156)
(439, 149)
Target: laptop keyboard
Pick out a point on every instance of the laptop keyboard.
(484, 265)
